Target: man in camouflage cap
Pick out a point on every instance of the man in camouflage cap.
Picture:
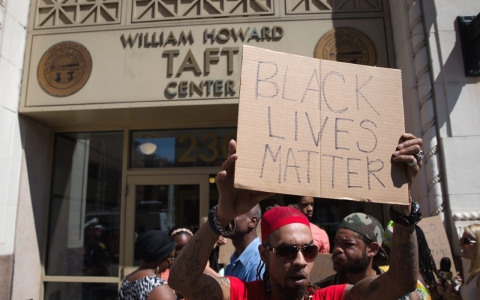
(358, 241)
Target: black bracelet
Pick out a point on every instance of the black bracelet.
(414, 217)
(215, 224)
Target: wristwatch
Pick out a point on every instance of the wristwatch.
(414, 217)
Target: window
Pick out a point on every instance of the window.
(84, 221)
(180, 148)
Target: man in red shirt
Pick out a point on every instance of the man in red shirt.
(286, 249)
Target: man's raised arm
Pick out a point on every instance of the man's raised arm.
(402, 275)
(186, 273)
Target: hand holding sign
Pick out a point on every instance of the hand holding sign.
(233, 202)
(406, 152)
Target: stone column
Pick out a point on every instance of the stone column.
(411, 55)
(13, 32)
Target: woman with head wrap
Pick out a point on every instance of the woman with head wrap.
(156, 251)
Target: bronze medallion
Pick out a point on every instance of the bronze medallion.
(64, 69)
(346, 45)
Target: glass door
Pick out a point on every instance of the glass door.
(162, 202)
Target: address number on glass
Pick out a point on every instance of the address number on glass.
(207, 147)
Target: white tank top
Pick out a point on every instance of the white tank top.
(470, 291)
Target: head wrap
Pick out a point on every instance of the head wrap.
(154, 245)
(280, 216)
(181, 230)
(366, 226)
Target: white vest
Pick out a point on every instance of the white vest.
(470, 291)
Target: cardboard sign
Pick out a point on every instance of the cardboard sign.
(437, 240)
(319, 128)
(322, 269)
(225, 252)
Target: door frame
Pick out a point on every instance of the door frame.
(129, 221)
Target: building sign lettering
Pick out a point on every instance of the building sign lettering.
(182, 60)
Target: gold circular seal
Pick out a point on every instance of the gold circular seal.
(346, 45)
(64, 69)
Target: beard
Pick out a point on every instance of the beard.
(291, 293)
(286, 293)
(353, 266)
(295, 294)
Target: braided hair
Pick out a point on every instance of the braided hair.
(426, 263)
(260, 267)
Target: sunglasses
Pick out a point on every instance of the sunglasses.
(309, 252)
(467, 241)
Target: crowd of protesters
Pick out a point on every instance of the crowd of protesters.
(275, 263)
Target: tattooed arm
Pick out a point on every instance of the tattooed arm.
(186, 273)
(402, 275)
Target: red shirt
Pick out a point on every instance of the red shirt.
(165, 275)
(254, 290)
(320, 238)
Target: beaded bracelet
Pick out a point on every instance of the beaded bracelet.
(216, 226)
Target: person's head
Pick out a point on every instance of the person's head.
(469, 246)
(247, 223)
(95, 231)
(285, 230)
(156, 248)
(181, 236)
(357, 241)
(304, 203)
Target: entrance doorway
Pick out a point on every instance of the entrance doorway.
(162, 202)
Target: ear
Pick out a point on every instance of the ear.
(373, 249)
(263, 253)
(253, 222)
(162, 265)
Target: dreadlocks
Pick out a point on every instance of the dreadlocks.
(425, 260)
(260, 266)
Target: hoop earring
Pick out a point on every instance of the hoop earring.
(157, 271)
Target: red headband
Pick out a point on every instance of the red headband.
(280, 216)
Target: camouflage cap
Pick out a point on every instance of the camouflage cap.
(370, 228)
(365, 225)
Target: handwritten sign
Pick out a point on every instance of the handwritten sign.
(437, 240)
(319, 128)
(322, 269)
(225, 252)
